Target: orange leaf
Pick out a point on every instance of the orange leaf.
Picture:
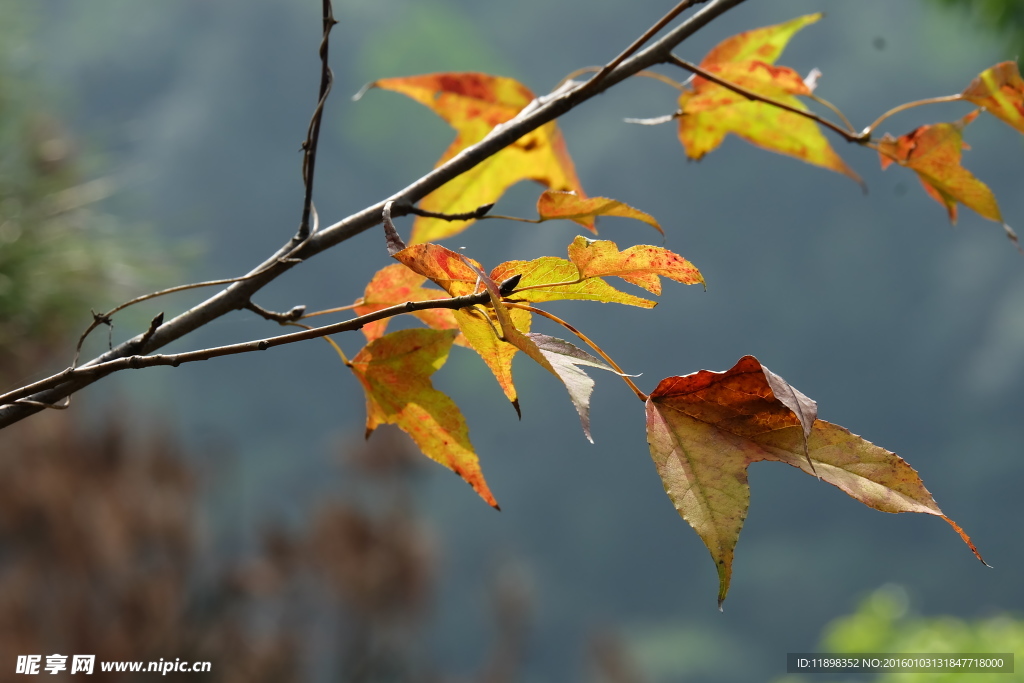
(1000, 90)
(473, 104)
(708, 112)
(396, 284)
(933, 152)
(705, 429)
(446, 268)
(395, 372)
(640, 265)
(569, 205)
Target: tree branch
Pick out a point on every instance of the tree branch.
(237, 295)
(134, 362)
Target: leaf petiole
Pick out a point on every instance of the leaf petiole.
(586, 340)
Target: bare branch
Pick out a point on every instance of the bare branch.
(313, 134)
(237, 295)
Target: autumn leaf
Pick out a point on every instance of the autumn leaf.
(459, 275)
(564, 358)
(397, 284)
(705, 429)
(473, 104)
(395, 372)
(554, 204)
(639, 265)
(708, 111)
(446, 268)
(933, 152)
(550, 278)
(1000, 90)
(497, 354)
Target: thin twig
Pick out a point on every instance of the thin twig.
(19, 396)
(751, 95)
(313, 133)
(640, 42)
(909, 105)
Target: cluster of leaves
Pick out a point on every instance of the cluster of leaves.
(703, 429)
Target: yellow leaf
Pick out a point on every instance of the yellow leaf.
(473, 104)
(640, 265)
(570, 206)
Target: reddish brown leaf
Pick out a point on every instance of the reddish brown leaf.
(933, 152)
(395, 372)
(1000, 90)
(446, 268)
(705, 429)
(396, 284)
(473, 104)
(554, 204)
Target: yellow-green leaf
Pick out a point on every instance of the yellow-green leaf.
(550, 278)
(395, 372)
(763, 44)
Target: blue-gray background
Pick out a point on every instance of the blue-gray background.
(904, 330)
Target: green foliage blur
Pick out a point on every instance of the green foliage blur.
(1002, 17)
(59, 255)
(883, 623)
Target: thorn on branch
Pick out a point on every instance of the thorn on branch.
(154, 324)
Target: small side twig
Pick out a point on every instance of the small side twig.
(313, 133)
(639, 42)
(291, 316)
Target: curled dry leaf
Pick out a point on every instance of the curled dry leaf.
(705, 429)
(564, 358)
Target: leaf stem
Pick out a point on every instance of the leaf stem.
(751, 95)
(586, 340)
(909, 105)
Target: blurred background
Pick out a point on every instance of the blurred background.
(229, 511)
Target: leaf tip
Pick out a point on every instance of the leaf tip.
(515, 404)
